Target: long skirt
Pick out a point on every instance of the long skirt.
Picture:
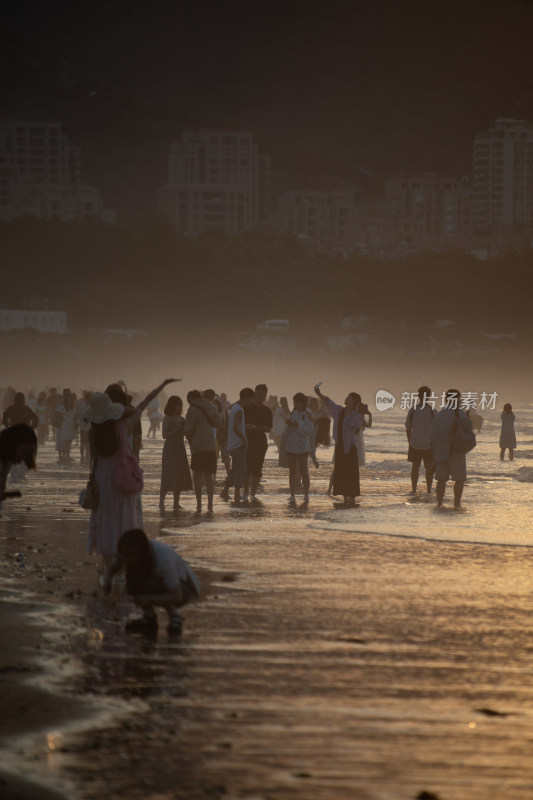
(116, 512)
(175, 473)
(346, 472)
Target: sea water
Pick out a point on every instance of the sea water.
(375, 652)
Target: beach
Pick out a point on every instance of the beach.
(374, 653)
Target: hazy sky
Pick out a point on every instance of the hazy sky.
(327, 88)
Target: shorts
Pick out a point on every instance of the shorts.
(454, 468)
(417, 456)
(204, 462)
(255, 458)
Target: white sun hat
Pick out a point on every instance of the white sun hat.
(101, 409)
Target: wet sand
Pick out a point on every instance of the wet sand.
(320, 663)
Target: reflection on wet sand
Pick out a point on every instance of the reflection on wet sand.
(333, 655)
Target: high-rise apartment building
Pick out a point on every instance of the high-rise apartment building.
(217, 181)
(324, 218)
(40, 174)
(434, 211)
(503, 179)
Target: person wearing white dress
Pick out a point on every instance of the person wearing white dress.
(116, 511)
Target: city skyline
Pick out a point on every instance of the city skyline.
(218, 181)
(346, 91)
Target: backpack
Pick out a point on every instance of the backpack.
(411, 414)
(463, 440)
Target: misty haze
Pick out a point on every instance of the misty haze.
(266, 452)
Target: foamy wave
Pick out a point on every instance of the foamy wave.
(423, 521)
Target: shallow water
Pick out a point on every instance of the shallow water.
(374, 652)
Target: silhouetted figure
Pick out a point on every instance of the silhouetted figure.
(300, 434)
(419, 430)
(67, 430)
(448, 462)
(258, 420)
(175, 473)
(18, 445)
(237, 445)
(507, 433)
(19, 413)
(347, 421)
(155, 576)
(116, 511)
(200, 421)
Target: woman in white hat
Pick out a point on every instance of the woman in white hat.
(117, 511)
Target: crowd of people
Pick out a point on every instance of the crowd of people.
(107, 426)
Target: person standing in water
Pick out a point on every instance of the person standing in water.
(347, 422)
(507, 434)
(449, 462)
(200, 425)
(301, 431)
(175, 473)
(237, 445)
(419, 430)
(20, 413)
(117, 511)
(258, 420)
(18, 445)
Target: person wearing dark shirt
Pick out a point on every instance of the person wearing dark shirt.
(18, 445)
(19, 413)
(258, 420)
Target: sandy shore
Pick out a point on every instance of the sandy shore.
(322, 663)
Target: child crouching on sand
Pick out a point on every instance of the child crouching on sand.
(155, 576)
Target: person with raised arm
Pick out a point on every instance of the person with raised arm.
(117, 511)
(347, 422)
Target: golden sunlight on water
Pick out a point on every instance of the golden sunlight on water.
(374, 653)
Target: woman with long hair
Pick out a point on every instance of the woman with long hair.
(155, 576)
(175, 473)
(347, 422)
(117, 511)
